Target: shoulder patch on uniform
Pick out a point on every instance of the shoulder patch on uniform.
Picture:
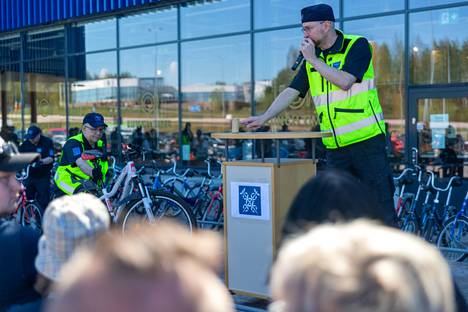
(76, 151)
(336, 65)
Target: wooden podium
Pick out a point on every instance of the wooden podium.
(257, 196)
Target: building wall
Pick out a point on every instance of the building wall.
(205, 62)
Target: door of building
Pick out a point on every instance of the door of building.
(437, 125)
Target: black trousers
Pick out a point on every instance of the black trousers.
(39, 188)
(368, 162)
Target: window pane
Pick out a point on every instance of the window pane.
(200, 19)
(45, 43)
(215, 82)
(45, 97)
(272, 13)
(149, 94)
(386, 35)
(148, 27)
(10, 47)
(92, 87)
(274, 54)
(439, 46)
(426, 3)
(363, 7)
(98, 35)
(442, 133)
(10, 97)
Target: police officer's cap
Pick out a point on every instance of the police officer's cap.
(94, 120)
(33, 131)
(317, 13)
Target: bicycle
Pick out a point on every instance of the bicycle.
(129, 201)
(28, 212)
(453, 239)
(433, 220)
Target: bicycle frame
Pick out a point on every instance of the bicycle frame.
(126, 176)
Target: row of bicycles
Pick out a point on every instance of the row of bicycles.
(145, 194)
(429, 212)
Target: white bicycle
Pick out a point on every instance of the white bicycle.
(130, 202)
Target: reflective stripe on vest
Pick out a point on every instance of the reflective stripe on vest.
(352, 115)
(359, 124)
(341, 95)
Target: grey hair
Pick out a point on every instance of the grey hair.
(363, 267)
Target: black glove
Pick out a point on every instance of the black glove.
(97, 174)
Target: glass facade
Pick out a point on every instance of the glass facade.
(206, 62)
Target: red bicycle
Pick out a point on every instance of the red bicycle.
(28, 212)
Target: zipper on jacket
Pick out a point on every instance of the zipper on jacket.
(329, 118)
(375, 116)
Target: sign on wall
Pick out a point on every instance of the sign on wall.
(250, 200)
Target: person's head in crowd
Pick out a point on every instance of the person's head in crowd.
(199, 133)
(93, 127)
(10, 162)
(69, 222)
(161, 268)
(358, 267)
(33, 134)
(330, 196)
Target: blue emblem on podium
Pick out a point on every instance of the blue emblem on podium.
(250, 200)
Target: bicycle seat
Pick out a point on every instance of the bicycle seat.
(92, 154)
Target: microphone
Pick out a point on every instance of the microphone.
(298, 61)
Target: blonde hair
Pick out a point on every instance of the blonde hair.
(361, 266)
(153, 254)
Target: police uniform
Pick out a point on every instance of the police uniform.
(355, 116)
(38, 182)
(68, 176)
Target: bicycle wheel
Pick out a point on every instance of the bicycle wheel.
(410, 226)
(454, 235)
(32, 216)
(165, 206)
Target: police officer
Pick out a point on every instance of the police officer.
(339, 73)
(72, 168)
(38, 182)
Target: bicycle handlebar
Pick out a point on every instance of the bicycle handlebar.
(403, 174)
(442, 189)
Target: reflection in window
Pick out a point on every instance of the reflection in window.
(45, 96)
(442, 133)
(275, 52)
(272, 13)
(363, 7)
(148, 27)
(439, 46)
(45, 43)
(10, 47)
(93, 36)
(202, 18)
(92, 87)
(386, 35)
(215, 82)
(149, 96)
(10, 96)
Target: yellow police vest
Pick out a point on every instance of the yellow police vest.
(67, 178)
(352, 116)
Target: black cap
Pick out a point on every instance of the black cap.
(94, 119)
(317, 13)
(11, 160)
(33, 131)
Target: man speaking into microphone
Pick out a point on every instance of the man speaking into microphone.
(339, 74)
